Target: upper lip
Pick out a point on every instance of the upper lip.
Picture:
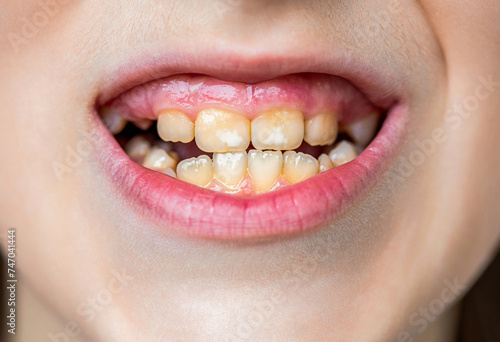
(174, 205)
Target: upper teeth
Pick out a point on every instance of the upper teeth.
(278, 130)
(175, 126)
(221, 131)
(362, 131)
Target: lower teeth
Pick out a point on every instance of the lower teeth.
(238, 172)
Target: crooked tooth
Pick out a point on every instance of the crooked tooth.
(299, 166)
(113, 120)
(198, 171)
(218, 130)
(175, 126)
(265, 168)
(230, 168)
(170, 172)
(137, 148)
(363, 130)
(158, 159)
(278, 130)
(325, 163)
(343, 153)
(321, 129)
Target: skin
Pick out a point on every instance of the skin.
(362, 277)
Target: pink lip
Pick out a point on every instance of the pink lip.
(175, 206)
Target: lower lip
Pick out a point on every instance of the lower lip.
(176, 206)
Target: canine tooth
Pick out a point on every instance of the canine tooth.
(230, 168)
(137, 148)
(175, 126)
(264, 167)
(363, 130)
(278, 130)
(218, 130)
(158, 159)
(321, 129)
(198, 171)
(143, 124)
(299, 166)
(325, 163)
(113, 120)
(170, 172)
(343, 153)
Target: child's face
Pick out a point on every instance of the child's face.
(426, 217)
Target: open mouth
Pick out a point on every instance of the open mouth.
(225, 159)
(243, 139)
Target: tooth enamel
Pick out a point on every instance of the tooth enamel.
(143, 124)
(343, 153)
(175, 126)
(113, 120)
(321, 129)
(230, 168)
(197, 171)
(158, 159)
(265, 168)
(221, 131)
(278, 130)
(299, 166)
(137, 148)
(170, 172)
(325, 163)
(363, 130)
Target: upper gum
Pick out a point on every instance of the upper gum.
(309, 94)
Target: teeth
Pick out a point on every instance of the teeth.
(343, 153)
(278, 130)
(158, 159)
(325, 163)
(364, 130)
(170, 172)
(143, 124)
(137, 148)
(175, 126)
(230, 168)
(197, 171)
(221, 131)
(265, 168)
(321, 129)
(113, 120)
(299, 166)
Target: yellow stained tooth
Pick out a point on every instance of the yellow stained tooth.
(265, 168)
(175, 126)
(298, 167)
(112, 120)
(363, 130)
(170, 172)
(158, 159)
(137, 148)
(325, 163)
(218, 130)
(198, 171)
(230, 168)
(343, 153)
(321, 130)
(278, 130)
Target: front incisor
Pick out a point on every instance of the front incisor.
(175, 126)
(218, 130)
(298, 167)
(265, 168)
(230, 168)
(278, 130)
